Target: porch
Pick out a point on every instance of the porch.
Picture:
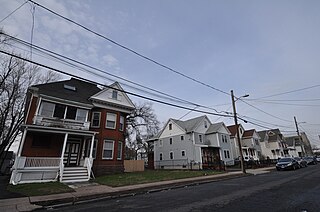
(47, 154)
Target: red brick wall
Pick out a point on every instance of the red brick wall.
(52, 150)
(104, 166)
(33, 109)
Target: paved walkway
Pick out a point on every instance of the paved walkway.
(89, 191)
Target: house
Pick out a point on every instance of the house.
(294, 146)
(72, 130)
(251, 144)
(194, 143)
(272, 144)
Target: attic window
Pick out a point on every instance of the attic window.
(114, 94)
(69, 87)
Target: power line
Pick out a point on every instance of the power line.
(129, 49)
(289, 104)
(54, 55)
(269, 114)
(127, 92)
(287, 92)
(13, 11)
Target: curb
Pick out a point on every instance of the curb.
(73, 200)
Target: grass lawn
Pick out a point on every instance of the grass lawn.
(38, 189)
(149, 176)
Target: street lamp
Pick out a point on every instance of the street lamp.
(238, 133)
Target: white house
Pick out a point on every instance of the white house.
(194, 143)
(272, 144)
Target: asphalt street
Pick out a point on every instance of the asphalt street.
(297, 190)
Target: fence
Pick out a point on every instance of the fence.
(133, 165)
(190, 165)
(251, 164)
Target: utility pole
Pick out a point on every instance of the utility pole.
(238, 133)
(298, 133)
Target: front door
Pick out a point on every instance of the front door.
(72, 153)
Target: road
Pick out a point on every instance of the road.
(275, 191)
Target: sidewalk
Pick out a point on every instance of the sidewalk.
(91, 192)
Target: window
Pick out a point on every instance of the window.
(226, 154)
(41, 141)
(111, 120)
(119, 154)
(114, 94)
(224, 139)
(183, 153)
(121, 126)
(160, 156)
(200, 138)
(47, 109)
(81, 115)
(205, 124)
(160, 143)
(108, 147)
(170, 141)
(71, 112)
(95, 121)
(171, 155)
(170, 126)
(59, 111)
(182, 138)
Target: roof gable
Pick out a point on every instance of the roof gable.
(113, 95)
(192, 124)
(218, 128)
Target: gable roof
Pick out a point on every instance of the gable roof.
(293, 140)
(103, 96)
(72, 90)
(233, 130)
(214, 128)
(189, 125)
(248, 133)
(273, 135)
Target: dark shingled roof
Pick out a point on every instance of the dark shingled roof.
(248, 133)
(233, 130)
(83, 90)
(191, 124)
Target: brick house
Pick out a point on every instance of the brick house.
(72, 131)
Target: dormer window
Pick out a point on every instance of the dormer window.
(69, 87)
(205, 124)
(114, 94)
(170, 126)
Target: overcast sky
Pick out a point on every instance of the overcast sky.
(260, 48)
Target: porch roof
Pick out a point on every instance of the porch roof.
(57, 130)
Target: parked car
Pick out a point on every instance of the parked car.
(302, 162)
(287, 164)
(318, 158)
(311, 160)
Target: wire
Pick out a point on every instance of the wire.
(32, 10)
(269, 114)
(129, 49)
(293, 91)
(54, 55)
(127, 92)
(279, 103)
(13, 11)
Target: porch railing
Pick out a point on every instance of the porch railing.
(63, 123)
(42, 162)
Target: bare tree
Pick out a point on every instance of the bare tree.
(15, 77)
(142, 124)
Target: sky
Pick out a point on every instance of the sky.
(267, 49)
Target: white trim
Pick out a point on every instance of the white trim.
(115, 121)
(185, 153)
(104, 142)
(67, 102)
(92, 119)
(160, 158)
(120, 158)
(170, 155)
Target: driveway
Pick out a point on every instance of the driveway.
(4, 194)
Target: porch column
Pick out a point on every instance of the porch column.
(64, 145)
(22, 141)
(91, 148)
